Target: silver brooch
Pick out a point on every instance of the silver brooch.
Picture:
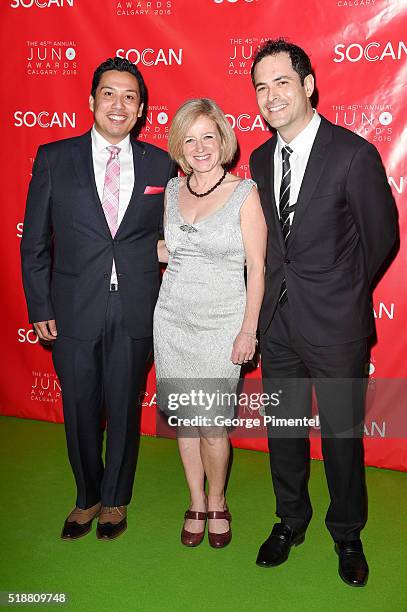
(188, 228)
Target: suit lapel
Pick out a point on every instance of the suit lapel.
(271, 211)
(315, 166)
(140, 164)
(83, 163)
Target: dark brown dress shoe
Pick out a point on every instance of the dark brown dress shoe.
(220, 540)
(188, 538)
(112, 522)
(353, 567)
(276, 548)
(79, 522)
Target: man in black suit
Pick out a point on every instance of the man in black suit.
(332, 223)
(91, 279)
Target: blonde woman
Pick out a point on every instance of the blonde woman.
(205, 321)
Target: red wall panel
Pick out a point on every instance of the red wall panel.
(187, 49)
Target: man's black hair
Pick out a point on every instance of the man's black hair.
(299, 59)
(122, 65)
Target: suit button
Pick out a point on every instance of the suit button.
(105, 276)
(287, 261)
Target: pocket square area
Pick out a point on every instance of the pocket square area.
(151, 189)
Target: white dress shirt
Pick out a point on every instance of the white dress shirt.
(100, 156)
(301, 146)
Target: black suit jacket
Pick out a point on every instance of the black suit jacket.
(67, 249)
(344, 226)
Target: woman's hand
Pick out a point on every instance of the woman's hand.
(244, 347)
(162, 252)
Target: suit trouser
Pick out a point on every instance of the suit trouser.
(102, 377)
(292, 366)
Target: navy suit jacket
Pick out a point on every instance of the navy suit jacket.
(67, 249)
(344, 227)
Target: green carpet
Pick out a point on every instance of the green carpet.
(148, 569)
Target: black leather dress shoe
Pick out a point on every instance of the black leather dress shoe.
(113, 528)
(110, 531)
(73, 530)
(276, 548)
(353, 567)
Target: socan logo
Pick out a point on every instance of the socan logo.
(384, 311)
(41, 3)
(372, 52)
(246, 123)
(397, 183)
(27, 335)
(44, 119)
(152, 57)
(51, 58)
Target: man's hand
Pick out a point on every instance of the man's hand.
(46, 330)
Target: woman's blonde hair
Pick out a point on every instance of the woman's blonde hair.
(185, 116)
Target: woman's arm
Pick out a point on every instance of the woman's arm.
(254, 232)
(162, 252)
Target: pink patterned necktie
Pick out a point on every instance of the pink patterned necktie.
(111, 188)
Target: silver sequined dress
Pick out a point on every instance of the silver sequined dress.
(202, 299)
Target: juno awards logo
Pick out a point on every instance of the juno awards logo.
(157, 120)
(45, 387)
(51, 58)
(372, 121)
(136, 8)
(40, 3)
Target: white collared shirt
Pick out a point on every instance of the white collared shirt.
(100, 156)
(301, 146)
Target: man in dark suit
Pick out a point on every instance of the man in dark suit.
(91, 279)
(332, 223)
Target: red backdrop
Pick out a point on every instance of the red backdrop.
(195, 48)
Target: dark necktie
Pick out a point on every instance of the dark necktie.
(284, 208)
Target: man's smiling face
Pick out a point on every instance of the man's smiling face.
(283, 101)
(116, 105)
